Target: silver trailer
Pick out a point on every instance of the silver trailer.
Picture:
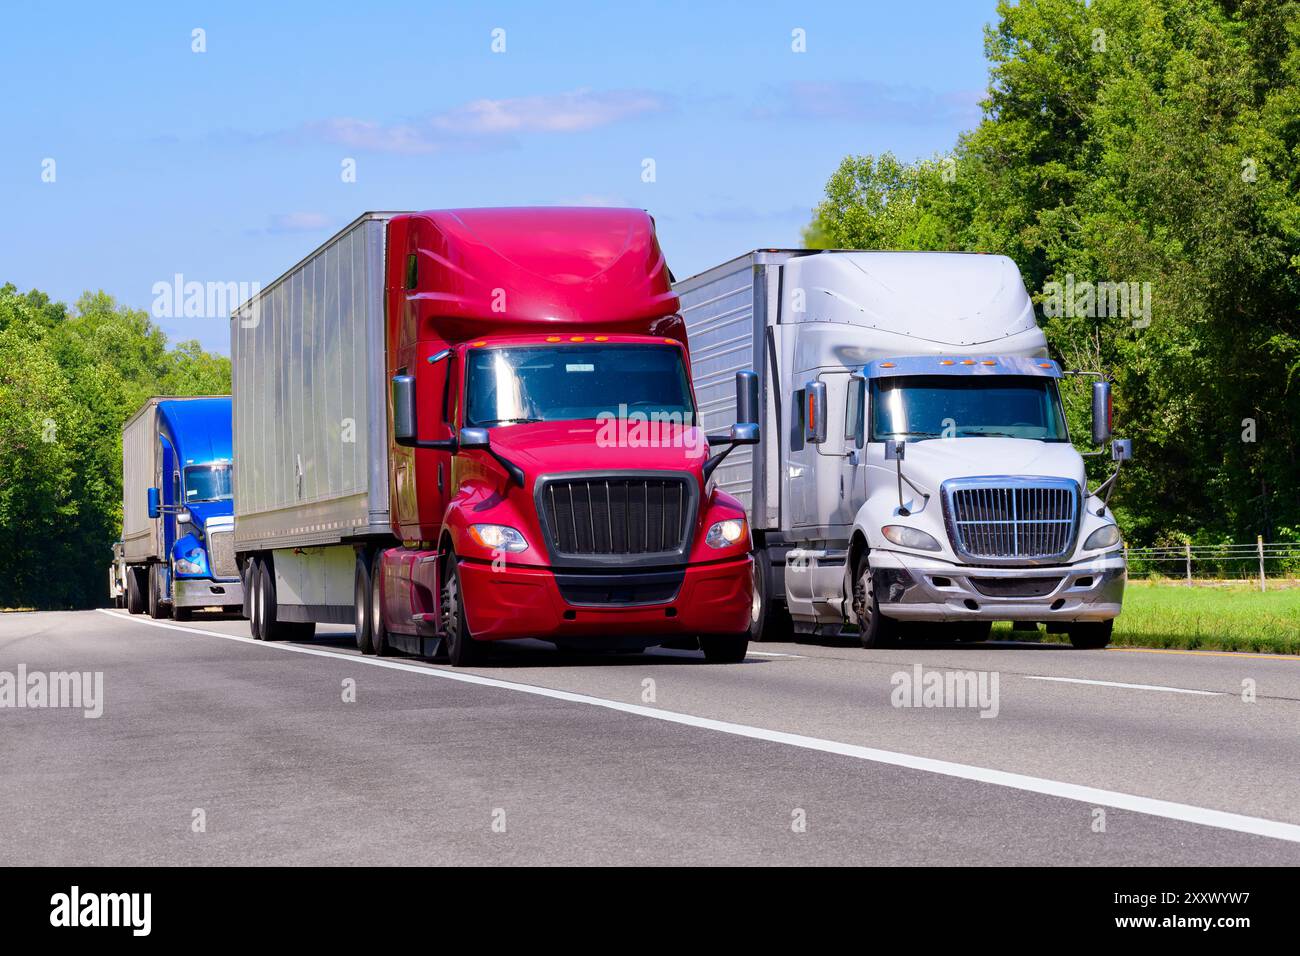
(310, 420)
(142, 536)
(817, 326)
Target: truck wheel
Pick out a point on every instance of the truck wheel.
(254, 599)
(134, 599)
(182, 613)
(724, 648)
(462, 650)
(1091, 635)
(769, 618)
(268, 629)
(874, 629)
(361, 603)
(378, 633)
(157, 609)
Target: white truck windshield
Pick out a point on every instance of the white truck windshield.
(918, 407)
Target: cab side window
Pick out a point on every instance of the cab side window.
(855, 412)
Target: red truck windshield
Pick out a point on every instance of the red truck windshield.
(570, 383)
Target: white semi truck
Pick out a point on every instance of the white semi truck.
(915, 464)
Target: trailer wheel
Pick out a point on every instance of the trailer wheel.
(252, 594)
(874, 629)
(378, 632)
(769, 618)
(361, 603)
(272, 628)
(157, 609)
(724, 648)
(134, 599)
(462, 649)
(1091, 635)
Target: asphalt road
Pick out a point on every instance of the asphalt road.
(214, 749)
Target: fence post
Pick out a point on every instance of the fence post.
(1259, 545)
(1187, 552)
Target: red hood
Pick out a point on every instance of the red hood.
(544, 448)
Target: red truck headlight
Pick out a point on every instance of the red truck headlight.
(726, 533)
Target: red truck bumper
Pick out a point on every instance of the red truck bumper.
(517, 602)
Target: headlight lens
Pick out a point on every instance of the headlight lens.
(1104, 537)
(726, 534)
(906, 537)
(498, 537)
(192, 563)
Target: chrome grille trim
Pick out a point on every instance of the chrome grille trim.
(1003, 519)
(221, 554)
(617, 519)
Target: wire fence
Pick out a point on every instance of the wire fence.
(1257, 561)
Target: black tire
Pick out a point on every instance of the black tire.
(1091, 635)
(724, 648)
(252, 593)
(182, 613)
(269, 629)
(874, 629)
(361, 603)
(462, 649)
(378, 632)
(157, 608)
(769, 618)
(134, 599)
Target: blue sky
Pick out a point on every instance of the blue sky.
(225, 166)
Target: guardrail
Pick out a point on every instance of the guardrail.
(1246, 561)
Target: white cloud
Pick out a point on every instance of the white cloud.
(486, 120)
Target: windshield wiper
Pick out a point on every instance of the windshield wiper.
(989, 434)
(511, 421)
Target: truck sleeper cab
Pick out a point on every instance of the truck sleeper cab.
(178, 508)
(914, 463)
(526, 462)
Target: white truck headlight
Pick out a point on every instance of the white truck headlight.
(726, 534)
(1106, 536)
(192, 563)
(498, 537)
(905, 537)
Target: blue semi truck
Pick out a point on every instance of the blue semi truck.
(177, 550)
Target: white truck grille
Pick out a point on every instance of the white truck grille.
(1009, 520)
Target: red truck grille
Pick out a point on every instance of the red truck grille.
(602, 515)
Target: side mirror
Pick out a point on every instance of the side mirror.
(744, 433)
(747, 397)
(895, 449)
(154, 509)
(1101, 412)
(404, 425)
(1121, 449)
(814, 421)
(474, 438)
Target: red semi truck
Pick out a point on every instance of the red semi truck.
(473, 425)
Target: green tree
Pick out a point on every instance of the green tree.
(1138, 141)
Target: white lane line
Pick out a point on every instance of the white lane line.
(1111, 683)
(1094, 796)
(774, 654)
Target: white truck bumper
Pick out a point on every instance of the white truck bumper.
(913, 588)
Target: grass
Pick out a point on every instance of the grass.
(1224, 617)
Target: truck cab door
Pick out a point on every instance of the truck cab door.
(820, 476)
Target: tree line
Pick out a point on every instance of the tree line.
(1140, 161)
(69, 379)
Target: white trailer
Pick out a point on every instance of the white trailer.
(821, 329)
